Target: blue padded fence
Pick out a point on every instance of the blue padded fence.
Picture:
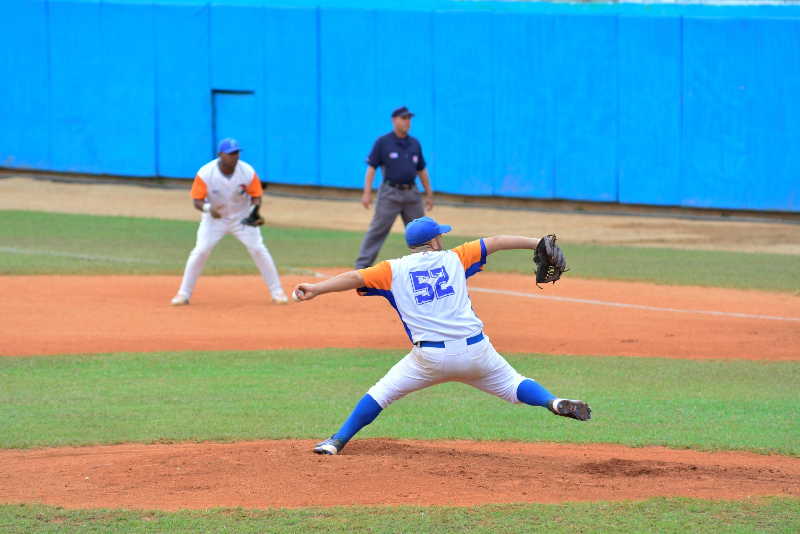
(691, 106)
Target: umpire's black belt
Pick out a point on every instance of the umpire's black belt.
(402, 187)
(441, 344)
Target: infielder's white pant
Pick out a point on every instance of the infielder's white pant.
(209, 234)
(478, 365)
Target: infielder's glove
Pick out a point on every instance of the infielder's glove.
(549, 260)
(254, 219)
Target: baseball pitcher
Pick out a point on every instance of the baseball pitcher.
(428, 288)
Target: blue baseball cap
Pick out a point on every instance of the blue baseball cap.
(420, 231)
(228, 145)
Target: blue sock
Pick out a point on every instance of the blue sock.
(533, 393)
(363, 414)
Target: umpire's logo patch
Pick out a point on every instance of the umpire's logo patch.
(393, 155)
(415, 158)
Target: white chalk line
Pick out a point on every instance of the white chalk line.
(119, 259)
(620, 304)
(97, 257)
(316, 274)
(307, 272)
(634, 306)
(90, 257)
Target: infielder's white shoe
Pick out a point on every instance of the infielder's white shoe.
(280, 299)
(180, 300)
(575, 409)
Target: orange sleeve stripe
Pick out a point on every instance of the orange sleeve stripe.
(199, 189)
(254, 189)
(469, 253)
(378, 276)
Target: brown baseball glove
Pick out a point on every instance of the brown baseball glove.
(254, 219)
(549, 260)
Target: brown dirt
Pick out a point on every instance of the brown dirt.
(284, 474)
(57, 315)
(130, 313)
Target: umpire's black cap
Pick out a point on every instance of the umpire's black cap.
(402, 112)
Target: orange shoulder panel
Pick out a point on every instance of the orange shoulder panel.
(199, 189)
(378, 276)
(254, 189)
(469, 253)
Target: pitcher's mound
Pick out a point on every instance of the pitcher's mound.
(286, 474)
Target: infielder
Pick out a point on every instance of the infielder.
(225, 190)
(399, 156)
(428, 288)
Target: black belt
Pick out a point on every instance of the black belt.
(441, 344)
(402, 187)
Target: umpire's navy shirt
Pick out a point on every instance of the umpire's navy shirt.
(400, 158)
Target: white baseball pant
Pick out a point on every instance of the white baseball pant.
(210, 232)
(478, 365)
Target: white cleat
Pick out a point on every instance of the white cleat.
(280, 299)
(330, 446)
(180, 300)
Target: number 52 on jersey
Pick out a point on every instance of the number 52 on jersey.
(430, 285)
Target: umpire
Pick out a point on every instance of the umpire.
(400, 158)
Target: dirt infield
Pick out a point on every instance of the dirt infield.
(284, 474)
(130, 313)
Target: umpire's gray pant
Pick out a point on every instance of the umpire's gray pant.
(391, 202)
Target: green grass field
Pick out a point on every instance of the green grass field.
(679, 516)
(52, 243)
(112, 398)
(78, 400)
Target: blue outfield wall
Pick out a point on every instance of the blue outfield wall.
(183, 95)
(691, 106)
(24, 87)
(650, 112)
